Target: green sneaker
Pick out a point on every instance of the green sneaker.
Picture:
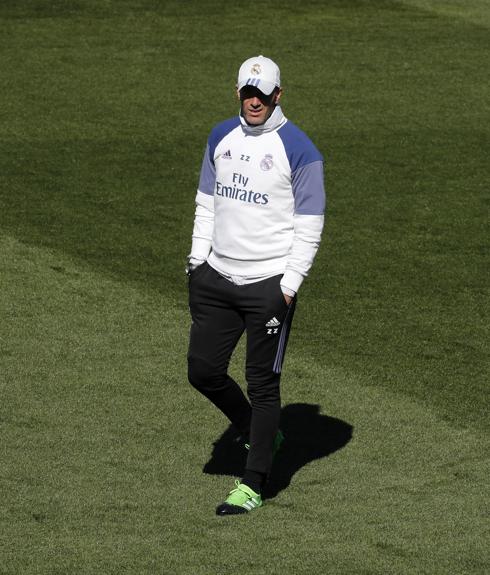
(278, 439)
(239, 500)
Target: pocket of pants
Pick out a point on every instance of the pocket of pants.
(283, 299)
(196, 271)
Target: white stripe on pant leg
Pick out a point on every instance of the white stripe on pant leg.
(278, 359)
(282, 342)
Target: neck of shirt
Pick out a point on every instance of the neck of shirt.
(275, 121)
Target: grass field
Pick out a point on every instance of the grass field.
(109, 462)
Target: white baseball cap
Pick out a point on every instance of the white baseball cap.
(260, 72)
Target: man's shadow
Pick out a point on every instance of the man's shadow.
(308, 436)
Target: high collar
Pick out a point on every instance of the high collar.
(275, 121)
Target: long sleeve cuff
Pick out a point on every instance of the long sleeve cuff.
(291, 281)
(200, 249)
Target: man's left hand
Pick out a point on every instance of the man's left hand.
(288, 298)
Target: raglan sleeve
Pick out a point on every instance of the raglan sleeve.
(307, 181)
(202, 233)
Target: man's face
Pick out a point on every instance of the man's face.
(256, 106)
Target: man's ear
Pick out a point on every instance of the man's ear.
(278, 96)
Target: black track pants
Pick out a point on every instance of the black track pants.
(221, 311)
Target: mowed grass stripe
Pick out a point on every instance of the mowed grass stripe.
(475, 11)
(103, 441)
(104, 444)
(108, 108)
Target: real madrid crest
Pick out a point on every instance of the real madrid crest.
(256, 69)
(266, 163)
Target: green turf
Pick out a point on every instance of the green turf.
(105, 110)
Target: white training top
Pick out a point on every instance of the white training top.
(260, 202)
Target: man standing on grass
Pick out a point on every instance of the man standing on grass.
(257, 228)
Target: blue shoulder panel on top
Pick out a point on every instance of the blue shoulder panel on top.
(306, 165)
(219, 132)
(300, 150)
(207, 178)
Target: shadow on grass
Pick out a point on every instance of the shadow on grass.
(308, 436)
